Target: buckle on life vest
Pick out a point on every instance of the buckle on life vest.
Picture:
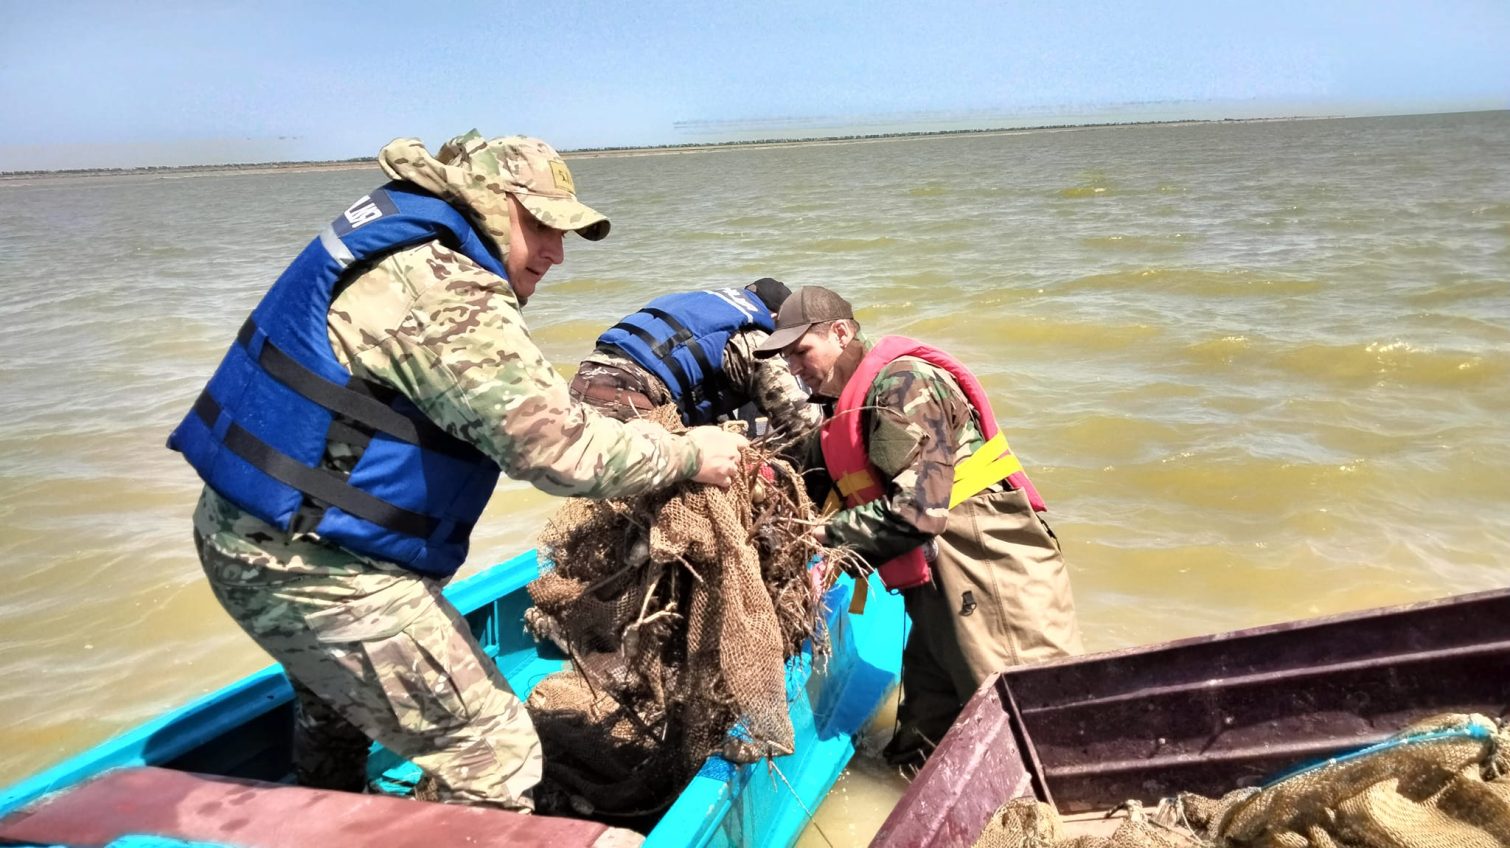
(991, 464)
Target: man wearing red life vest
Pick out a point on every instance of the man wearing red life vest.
(934, 500)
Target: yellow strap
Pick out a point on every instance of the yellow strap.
(854, 481)
(857, 601)
(982, 456)
(831, 504)
(993, 463)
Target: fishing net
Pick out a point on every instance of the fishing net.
(1441, 783)
(678, 610)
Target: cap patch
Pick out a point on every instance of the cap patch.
(562, 176)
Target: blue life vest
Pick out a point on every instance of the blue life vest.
(680, 338)
(260, 428)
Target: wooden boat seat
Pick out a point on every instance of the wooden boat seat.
(255, 814)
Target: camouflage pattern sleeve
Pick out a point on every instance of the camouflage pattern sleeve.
(770, 384)
(450, 335)
(920, 426)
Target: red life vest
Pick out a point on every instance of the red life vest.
(844, 452)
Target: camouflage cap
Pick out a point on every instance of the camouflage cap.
(534, 173)
(807, 306)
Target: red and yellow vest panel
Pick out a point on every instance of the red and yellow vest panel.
(858, 481)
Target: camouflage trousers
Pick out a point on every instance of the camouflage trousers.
(1000, 597)
(374, 653)
(623, 391)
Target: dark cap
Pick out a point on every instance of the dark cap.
(807, 306)
(772, 292)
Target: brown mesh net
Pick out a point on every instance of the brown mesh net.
(1440, 783)
(679, 610)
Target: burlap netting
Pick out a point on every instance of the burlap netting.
(679, 610)
(1440, 783)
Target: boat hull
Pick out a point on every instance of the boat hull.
(244, 730)
(1204, 715)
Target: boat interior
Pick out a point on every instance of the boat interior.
(1205, 715)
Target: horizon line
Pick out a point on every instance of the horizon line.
(714, 145)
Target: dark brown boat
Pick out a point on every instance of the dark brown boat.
(1204, 715)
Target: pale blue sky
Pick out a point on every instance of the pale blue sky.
(153, 82)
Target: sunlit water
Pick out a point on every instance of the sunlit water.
(1258, 370)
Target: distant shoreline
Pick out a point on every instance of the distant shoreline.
(367, 162)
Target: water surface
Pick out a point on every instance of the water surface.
(1259, 370)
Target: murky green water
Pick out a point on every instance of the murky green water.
(1258, 370)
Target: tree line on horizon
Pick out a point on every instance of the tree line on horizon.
(355, 160)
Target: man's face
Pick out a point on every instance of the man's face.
(533, 249)
(813, 355)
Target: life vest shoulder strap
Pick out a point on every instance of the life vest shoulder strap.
(843, 441)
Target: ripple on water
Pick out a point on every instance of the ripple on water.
(568, 335)
(931, 280)
(1112, 439)
(1223, 351)
(1493, 212)
(1194, 282)
(1394, 362)
(848, 245)
(1456, 292)
(1092, 184)
(1237, 484)
(1171, 243)
(1069, 335)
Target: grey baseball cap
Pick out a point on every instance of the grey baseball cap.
(807, 306)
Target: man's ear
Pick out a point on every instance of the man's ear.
(843, 332)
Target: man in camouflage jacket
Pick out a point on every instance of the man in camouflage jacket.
(374, 651)
(615, 384)
(1000, 593)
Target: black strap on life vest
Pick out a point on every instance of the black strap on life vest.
(713, 379)
(363, 403)
(684, 387)
(361, 409)
(324, 484)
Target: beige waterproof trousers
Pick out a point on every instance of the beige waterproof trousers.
(1000, 597)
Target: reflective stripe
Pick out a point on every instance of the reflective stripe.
(991, 464)
(738, 301)
(336, 248)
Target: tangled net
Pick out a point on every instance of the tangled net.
(1443, 782)
(679, 610)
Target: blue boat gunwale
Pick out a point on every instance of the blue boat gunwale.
(830, 708)
(863, 668)
(182, 729)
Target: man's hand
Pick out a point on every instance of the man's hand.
(719, 450)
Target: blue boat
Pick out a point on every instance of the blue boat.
(217, 768)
